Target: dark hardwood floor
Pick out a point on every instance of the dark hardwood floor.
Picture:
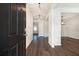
(70, 47)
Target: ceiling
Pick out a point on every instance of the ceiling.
(39, 11)
(75, 5)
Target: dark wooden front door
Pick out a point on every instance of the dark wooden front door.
(12, 25)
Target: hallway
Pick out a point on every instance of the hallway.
(53, 22)
(41, 48)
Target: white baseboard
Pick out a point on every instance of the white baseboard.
(71, 37)
(57, 44)
(52, 46)
(27, 45)
(43, 35)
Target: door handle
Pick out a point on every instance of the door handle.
(25, 34)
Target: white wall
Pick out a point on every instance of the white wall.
(41, 27)
(57, 26)
(46, 27)
(29, 26)
(51, 28)
(70, 27)
(54, 27)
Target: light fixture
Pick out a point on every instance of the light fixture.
(39, 10)
(39, 5)
(62, 21)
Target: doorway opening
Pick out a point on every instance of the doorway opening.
(70, 31)
(35, 31)
(69, 25)
(40, 29)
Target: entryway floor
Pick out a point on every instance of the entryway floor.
(70, 47)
